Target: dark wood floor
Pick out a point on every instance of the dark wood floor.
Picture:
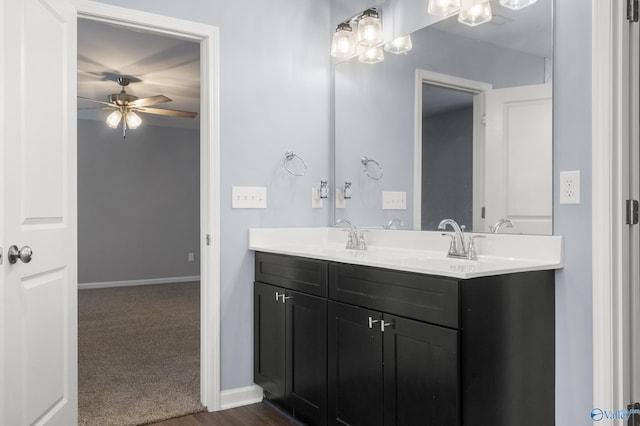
(255, 414)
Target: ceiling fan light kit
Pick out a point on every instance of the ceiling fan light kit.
(126, 105)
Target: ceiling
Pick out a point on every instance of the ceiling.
(156, 64)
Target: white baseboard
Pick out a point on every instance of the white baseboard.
(86, 286)
(240, 396)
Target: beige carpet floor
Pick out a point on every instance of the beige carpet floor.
(138, 353)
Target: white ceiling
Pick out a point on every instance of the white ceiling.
(156, 64)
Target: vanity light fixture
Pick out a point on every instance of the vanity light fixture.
(475, 12)
(516, 4)
(370, 29)
(443, 8)
(399, 45)
(343, 44)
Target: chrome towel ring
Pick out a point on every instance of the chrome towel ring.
(371, 168)
(289, 156)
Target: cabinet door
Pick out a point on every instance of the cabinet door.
(355, 367)
(421, 375)
(306, 357)
(269, 341)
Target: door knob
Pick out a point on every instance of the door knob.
(23, 254)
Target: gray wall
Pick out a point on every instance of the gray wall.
(274, 82)
(572, 151)
(447, 168)
(138, 203)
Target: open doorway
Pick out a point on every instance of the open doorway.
(139, 228)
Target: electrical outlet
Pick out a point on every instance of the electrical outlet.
(570, 187)
(248, 197)
(191, 257)
(340, 201)
(316, 201)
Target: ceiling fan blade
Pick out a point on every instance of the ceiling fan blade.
(170, 112)
(95, 100)
(151, 100)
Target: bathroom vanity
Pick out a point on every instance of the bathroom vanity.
(342, 340)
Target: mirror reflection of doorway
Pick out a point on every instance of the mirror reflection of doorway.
(447, 156)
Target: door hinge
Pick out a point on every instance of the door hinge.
(208, 239)
(484, 119)
(632, 10)
(634, 414)
(632, 212)
(482, 213)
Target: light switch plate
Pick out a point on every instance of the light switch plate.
(248, 197)
(394, 200)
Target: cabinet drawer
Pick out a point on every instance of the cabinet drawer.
(425, 298)
(295, 273)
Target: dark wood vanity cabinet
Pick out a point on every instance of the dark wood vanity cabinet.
(399, 348)
(290, 336)
(404, 375)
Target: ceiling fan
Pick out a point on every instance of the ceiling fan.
(125, 107)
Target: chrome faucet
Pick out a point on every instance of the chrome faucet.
(355, 238)
(456, 249)
(496, 227)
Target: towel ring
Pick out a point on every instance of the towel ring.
(371, 168)
(289, 156)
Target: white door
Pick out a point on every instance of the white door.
(518, 159)
(38, 209)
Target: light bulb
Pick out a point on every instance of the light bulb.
(399, 45)
(516, 4)
(114, 119)
(443, 8)
(133, 120)
(343, 44)
(475, 12)
(370, 29)
(371, 55)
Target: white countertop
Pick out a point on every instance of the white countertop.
(415, 251)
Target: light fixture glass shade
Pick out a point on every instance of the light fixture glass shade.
(399, 45)
(475, 12)
(343, 44)
(371, 55)
(114, 119)
(443, 8)
(516, 4)
(133, 120)
(370, 29)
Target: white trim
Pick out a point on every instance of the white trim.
(240, 396)
(129, 283)
(608, 134)
(444, 80)
(208, 37)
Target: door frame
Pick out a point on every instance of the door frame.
(610, 180)
(463, 85)
(208, 38)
